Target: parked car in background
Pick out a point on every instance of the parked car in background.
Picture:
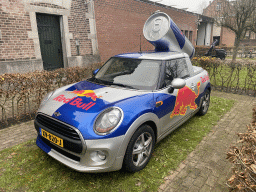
(218, 53)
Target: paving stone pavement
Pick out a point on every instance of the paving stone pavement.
(17, 134)
(205, 169)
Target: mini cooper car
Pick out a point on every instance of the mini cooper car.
(115, 118)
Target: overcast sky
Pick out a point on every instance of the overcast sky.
(192, 5)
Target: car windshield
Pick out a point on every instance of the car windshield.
(140, 74)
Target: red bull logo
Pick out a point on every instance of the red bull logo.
(87, 93)
(185, 98)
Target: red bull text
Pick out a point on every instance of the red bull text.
(75, 102)
(185, 98)
(205, 78)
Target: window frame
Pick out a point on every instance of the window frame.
(163, 69)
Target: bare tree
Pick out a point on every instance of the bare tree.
(237, 16)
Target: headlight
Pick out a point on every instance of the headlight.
(107, 121)
(46, 98)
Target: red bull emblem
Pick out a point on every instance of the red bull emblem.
(87, 93)
(185, 98)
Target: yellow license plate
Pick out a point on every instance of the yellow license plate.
(54, 139)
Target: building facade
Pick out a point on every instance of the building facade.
(225, 36)
(47, 34)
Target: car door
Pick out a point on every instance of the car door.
(174, 105)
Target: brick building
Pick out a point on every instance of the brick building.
(225, 36)
(119, 24)
(47, 34)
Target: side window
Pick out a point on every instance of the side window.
(176, 68)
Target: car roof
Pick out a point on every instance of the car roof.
(153, 55)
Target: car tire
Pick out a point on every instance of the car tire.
(205, 103)
(139, 149)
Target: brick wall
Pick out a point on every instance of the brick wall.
(14, 41)
(210, 11)
(227, 37)
(79, 27)
(119, 25)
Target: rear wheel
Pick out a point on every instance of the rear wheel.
(205, 103)
(139, 149)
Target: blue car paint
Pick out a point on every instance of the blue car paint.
(198, 99)
(42, 145)
(134, 55)
(132, 107)
(85, 85)
(84, 120)
(168, 104)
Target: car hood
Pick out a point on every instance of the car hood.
(79, 104)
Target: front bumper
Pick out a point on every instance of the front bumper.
(89, 162)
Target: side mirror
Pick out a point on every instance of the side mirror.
(95, 72)
(178, 83)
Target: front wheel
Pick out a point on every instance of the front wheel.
(139, 149)
(205, 103)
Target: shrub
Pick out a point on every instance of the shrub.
(243, 158)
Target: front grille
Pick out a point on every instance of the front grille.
(71, 139)
(69, 155)
(57, 127)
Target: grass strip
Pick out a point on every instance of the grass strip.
(243, 58)
(25, 167)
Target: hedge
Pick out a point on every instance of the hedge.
(21, 94)
(237, 77)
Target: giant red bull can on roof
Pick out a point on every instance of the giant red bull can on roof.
(163, 33)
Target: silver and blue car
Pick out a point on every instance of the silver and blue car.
(114, 119)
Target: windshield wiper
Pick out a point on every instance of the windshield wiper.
(93, 79)
(122, 85)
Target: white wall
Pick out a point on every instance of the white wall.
(201, 34)
(208, 34)
(204, 34)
